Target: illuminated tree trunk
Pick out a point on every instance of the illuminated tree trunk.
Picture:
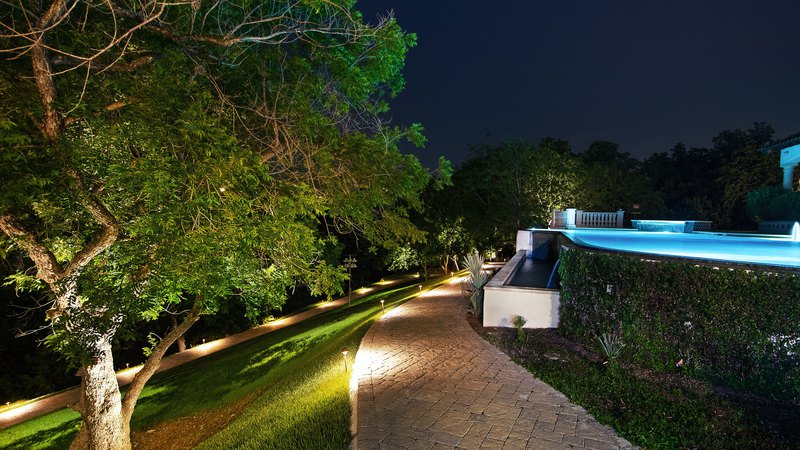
(106, 416)
(101, 406)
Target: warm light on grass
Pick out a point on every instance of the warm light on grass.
(302, 393)
(302, 399)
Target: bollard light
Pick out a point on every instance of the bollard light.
(420, 288)
(382, 308)
(204, 341)
(344, 358)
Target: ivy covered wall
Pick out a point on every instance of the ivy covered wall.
(733, 327)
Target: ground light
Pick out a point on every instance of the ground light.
(344, 358)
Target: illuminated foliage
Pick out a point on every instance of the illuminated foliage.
(171, 156)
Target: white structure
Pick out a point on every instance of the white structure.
(524, 241)
(502, 302)
(790, 157)
(576, 218)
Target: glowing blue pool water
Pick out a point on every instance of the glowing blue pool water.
(746, 249)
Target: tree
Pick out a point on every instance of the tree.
(682, 178)
(712, 183)
(743, 168)
(165, 156)
(512, 186)
(614, 180)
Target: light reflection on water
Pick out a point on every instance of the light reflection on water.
(763, 250)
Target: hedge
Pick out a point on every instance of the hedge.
(733, 327)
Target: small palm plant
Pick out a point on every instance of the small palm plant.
(476, 281)
(611, 344)
(518, 323)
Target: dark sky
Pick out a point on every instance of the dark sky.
(644, 74)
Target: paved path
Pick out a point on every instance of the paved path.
(427, 380)
(63, 399)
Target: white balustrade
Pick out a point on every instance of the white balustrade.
(576, 218)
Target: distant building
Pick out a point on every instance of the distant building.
(790, 156)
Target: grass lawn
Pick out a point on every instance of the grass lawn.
(649, 409)
(290, 385)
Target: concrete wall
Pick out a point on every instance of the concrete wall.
(502, 302)
(523, 240)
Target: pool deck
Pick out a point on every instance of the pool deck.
(424, 379)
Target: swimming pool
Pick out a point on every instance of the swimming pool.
(778, 251)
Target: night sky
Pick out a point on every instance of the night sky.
(643, 74)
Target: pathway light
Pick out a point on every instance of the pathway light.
(344, 358)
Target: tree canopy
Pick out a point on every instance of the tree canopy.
(166, 156)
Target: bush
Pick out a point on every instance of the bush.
(732, 327)
(773, 203)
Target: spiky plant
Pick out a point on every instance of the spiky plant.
(611, 344)
(476, 280)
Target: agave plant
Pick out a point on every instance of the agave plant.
(475, 282)
(611, 344)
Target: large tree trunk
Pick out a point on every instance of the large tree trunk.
(106, 416)
(101, 406)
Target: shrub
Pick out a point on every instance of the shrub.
(773, 203)
(733, 327)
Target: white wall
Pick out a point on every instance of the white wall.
(502, 302)
(524, 240)
(538, 306)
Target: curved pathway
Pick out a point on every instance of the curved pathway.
(427, 380)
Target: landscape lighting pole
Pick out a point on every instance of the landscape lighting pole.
(349, 263)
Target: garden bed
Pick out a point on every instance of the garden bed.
(650, 409)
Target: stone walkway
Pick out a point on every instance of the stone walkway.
(427, 380)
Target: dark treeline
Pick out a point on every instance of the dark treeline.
(517, 184)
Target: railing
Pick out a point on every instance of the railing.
(576, 218)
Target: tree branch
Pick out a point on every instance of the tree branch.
(47, 266)
(106, 238)
(64, 60)
(152, 363)
(43, 76)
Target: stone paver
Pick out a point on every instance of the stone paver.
(427, 380)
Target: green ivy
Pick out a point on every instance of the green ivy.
(735, 327)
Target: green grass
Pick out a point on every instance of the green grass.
(297, 372)
(53, 430)
(652, 411)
